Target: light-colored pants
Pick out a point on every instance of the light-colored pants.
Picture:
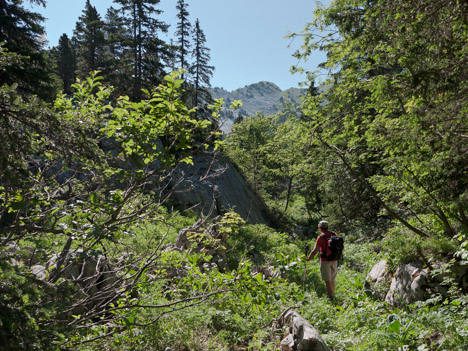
(328, 270)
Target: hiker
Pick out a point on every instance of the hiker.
(328, 267)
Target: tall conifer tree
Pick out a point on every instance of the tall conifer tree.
(182, 33)
(89, 35)
(201, 70)
(66, 63)
(21, 32)
(118, 63)
(147, 48)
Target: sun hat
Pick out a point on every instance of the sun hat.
(323, 224)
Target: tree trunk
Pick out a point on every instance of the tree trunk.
(57, 272)
(288, 194)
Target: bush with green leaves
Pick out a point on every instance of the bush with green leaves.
(258, 244)
(28, 307)
(78, 179)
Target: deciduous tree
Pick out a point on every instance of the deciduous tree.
(76, 179)
(394, 115)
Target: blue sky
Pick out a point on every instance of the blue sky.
(246, 37)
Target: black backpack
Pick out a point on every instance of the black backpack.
(335, 246)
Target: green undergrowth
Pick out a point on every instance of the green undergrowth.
(402, 246)
(242, 319)
(266, 274)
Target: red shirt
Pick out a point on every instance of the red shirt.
(322, 243)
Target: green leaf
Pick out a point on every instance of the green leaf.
(395, 325)
(93, 198)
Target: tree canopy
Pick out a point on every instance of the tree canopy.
(394, 115)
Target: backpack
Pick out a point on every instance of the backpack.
(335, 246)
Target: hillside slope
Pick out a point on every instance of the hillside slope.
(264, 97)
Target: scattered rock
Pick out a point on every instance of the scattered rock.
(301, 335)
(205, 237)
(287, 344)
(269, 272)
(378, 281)
(408, 285)
(39, 271)
(25, 255)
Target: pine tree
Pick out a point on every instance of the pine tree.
(148, 50)
(158, 56)
(89, 35)
(118, 63)
(171, 61)
(202, 72)
(66, 63)
(21, 32)
(182, 33)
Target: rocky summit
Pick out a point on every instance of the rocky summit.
(262, 97)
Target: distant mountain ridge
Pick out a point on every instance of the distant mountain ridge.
(264, 97)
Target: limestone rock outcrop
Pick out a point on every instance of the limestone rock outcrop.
(264, 97)
(213, 187)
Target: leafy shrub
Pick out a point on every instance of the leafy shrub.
(402, 246)
(148, 234)
(28, 308)
(259, 244)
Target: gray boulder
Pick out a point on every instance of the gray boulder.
(301, 335)
(379, 272)
(408, 285)
(39, 271)
(378, 280)
(412, 283)
(213, 187)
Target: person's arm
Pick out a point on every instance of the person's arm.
(313, 253)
